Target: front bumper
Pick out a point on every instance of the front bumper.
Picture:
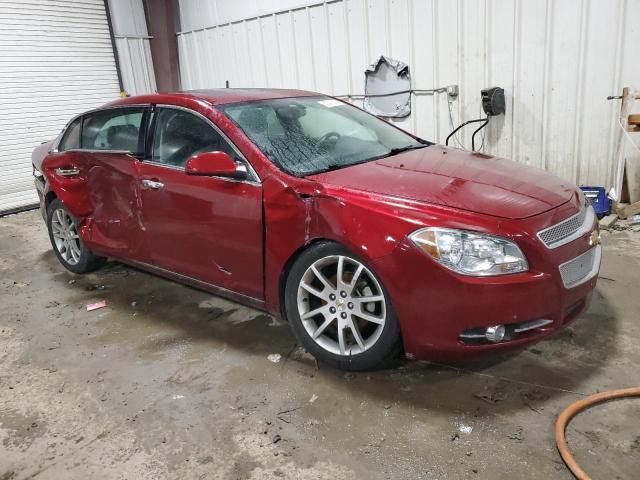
(436, 311)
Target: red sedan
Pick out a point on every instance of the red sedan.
(362, 236)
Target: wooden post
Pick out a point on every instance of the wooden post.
(627, 168)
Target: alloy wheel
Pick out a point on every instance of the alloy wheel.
(341, 305)
(65, 236)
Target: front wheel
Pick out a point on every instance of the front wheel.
(71, 251)
(339, 309)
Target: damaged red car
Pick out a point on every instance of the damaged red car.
(362, 236)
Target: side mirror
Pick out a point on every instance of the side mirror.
(215, 164)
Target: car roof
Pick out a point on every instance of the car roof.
(220, 96)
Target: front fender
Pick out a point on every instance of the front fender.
(301, 211)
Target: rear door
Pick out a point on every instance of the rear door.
(65, 169)
(95, 174)
(206, 228)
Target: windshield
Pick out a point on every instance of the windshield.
(306, 135)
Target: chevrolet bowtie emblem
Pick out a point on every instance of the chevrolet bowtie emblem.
(594, 238)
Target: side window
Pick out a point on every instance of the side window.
(71, 138)
(179, 135)
(114, 129)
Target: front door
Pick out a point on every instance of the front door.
(206, 228)
(112, 141)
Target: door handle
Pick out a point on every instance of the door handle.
(152, 184)
(67, 172)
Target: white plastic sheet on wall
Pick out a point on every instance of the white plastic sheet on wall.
(556, 60)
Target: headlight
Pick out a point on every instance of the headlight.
(470, 253)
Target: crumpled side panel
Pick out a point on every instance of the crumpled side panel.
(302, 211)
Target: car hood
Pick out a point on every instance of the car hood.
(455, 178)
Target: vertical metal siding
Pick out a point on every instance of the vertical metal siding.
(557, 62)
(132, 44)
(56, 60)
(136, 64)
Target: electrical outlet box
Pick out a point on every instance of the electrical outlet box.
(493, 101)
(452, 91)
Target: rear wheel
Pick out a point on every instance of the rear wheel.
(71, 251)
(339, 309)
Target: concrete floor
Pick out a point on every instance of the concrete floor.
(169, 382)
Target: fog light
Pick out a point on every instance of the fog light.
(495, 334)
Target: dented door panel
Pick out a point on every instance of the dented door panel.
(103, 195)
(114, 192)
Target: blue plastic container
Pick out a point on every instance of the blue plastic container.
(599, 199)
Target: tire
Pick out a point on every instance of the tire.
(345, 331)
(71, 251)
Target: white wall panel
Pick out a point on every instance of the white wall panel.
(556, 60)
(127, 17)
(136, 65)
(132, 43)
(271, 50)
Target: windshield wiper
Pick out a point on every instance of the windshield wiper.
(395, 151)
(337, 166)
(334, 166)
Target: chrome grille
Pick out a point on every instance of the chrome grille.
(563, 229)
(581, 269)
(569, 229)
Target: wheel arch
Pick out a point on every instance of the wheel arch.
(284, 274)
(48, 198)
(395, 349)
(282, 282)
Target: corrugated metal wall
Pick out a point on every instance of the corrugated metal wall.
(556, 59)
(132, 44)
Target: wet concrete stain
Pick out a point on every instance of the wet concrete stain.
(170, 382)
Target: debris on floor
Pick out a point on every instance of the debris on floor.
(607, 222)
(96, 305)
(516, 435)
(466, 429)
(490, 396)
(534, 399)
(274, 357)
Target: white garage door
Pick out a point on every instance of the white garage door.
(56, 60)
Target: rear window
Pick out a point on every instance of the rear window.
(71, 138)
(114, 129)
